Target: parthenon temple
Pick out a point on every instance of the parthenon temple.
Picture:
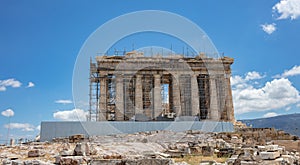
(136, 87)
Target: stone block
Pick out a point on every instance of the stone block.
(34, 162)
(288, 159)
(261, 148)
(225, 152)
(107, 162)
(278, 161)
(82, 149)
(207, 151)
(249, 162)
(70, 160)
(175, 153)
(195, 150)
(272, 147)
(16, 162)
(269, 155)
(66, 153)
(236, 140)
(250, 152)
(76, 138)
(35, 153)
(209, 162)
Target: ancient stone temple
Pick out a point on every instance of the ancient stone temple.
(136, 87)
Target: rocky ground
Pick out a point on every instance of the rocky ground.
(245, 146)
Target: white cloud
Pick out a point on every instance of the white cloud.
(30, 85)
(240, 82)
(23, 126)
(278, 93)
(9, 83)
(270, 114)
(8, 113)
(63, 101)
(71, 115)
(253, 76)
(288, 108)
(269, 28)
(298, 105)
(287, 9)
(288, 73)
(2, 88)
(292, 72)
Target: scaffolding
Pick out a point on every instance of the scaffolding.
(141, 88)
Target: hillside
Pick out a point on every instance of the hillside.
(289, 123)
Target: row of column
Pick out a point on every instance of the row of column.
(213, 112)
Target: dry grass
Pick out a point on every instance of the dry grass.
(290, 145)
(195, 160)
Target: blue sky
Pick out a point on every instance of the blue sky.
(40, 40)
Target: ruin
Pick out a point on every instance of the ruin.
(136, 92)
(137, 87)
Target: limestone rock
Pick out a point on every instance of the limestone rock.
(269, 155)
(66, 153)
(207, 151)
(36, 153)
(272, 147)
(70, 160)
(82, 149)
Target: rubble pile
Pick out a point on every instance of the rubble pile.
(245, 146)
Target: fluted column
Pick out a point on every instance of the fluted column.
(176, 94)
(195, 95)
(138, 95)
(119, 115)
(229, 102)
(214, 112)
(103, 98)
(157, 96)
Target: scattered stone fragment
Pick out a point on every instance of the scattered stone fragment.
(35, 153)
(241, 147)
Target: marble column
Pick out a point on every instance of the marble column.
(176, 95)
(195, 95)
(103, 98)
(119, 115)
(229, 102)
(138, 95)
(214, 112)
(157, 96)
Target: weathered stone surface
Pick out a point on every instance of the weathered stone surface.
(16, 162)
(107, 162)
(249, 163)
(272, 147)
(144, 161)
(175, 153)
(236, 140)
(76, 138)
(82, 149)
(261, 148)
(269, 155)
(70, 160)
(207, 151)
(36, 162)
(36, 153)
(288, 159)
(66, 153)
(128, 149)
